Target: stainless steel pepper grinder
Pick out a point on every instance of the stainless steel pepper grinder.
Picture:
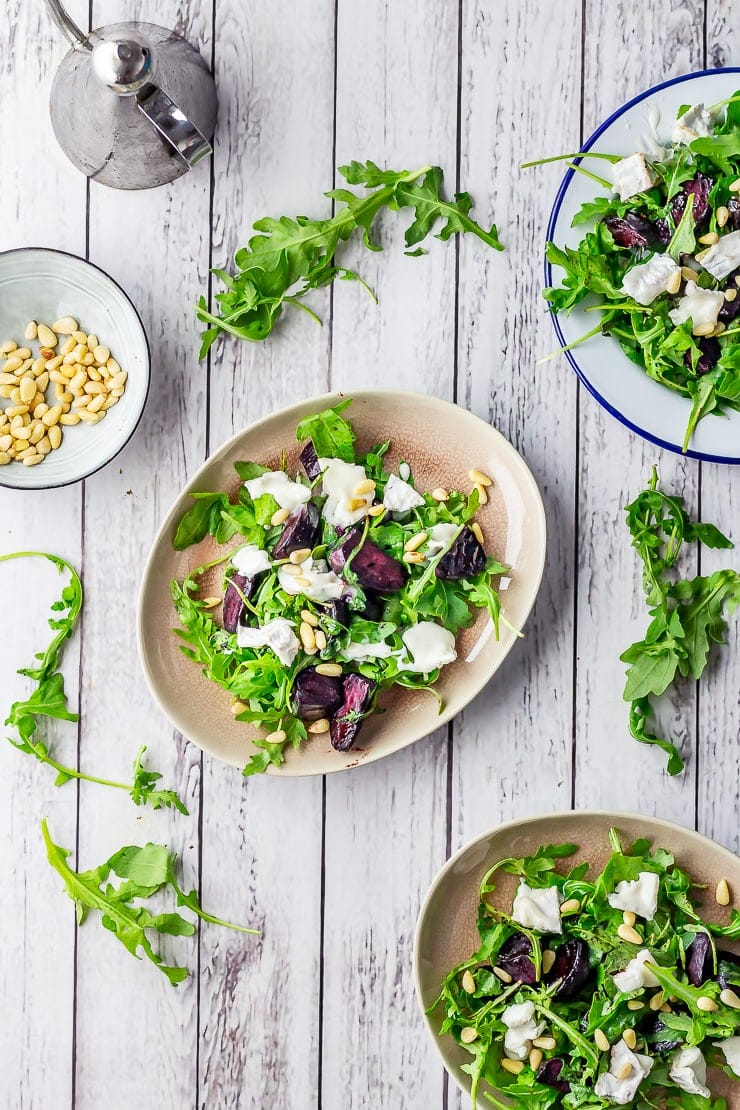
(133, 105)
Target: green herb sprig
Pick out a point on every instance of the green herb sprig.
(687, 615)
(290, 256)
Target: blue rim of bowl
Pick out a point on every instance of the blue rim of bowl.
(134, 309)
(674, 447)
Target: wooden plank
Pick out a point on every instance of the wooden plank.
(385, 823)
(612, 771)
(262, 838)
(123, 507)
(37, 968)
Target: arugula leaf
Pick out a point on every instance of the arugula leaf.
(332, 436)
(291, 256)
(203, 517)
(145, 871)
(49, 699)
(683, 240)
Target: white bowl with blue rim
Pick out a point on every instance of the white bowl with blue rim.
(46, 285)
(655, 412)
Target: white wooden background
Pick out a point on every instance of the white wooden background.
(320, 1011)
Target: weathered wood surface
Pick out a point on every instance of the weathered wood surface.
(319, 1011)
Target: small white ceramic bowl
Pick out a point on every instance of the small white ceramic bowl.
(45, 285)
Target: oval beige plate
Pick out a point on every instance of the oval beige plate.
(441, 442)
(446, 933)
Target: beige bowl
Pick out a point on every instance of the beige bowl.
(446, 933)
(441, 442)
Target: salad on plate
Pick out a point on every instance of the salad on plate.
(339, 582)
(661, 261)
(598, 991)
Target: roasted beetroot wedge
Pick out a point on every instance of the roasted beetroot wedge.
(710, 352)
(699, 960)
(310, 461)
(359, 695)
(571, 967)
(513, 956)
(699, 188)
(728, 970)
(316, 695)
(339, 611)
(234, 606)
(549, 1074)
(465, 558)
(652, 1028)
(373, 569)
(632, 230)
(301, 531)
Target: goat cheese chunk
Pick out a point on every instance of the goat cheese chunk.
(313, 581)
(648, 280)
(731, 1049)
(537, 909)
(289, 495)
(701, 306)
(400, 497)
(339, 482)
(696, 123)
(632, 176)
(638, 896)
(622, 1091)
(250, 560)
(277, 635)
(521, 1029)
(429, 645)
(689, 1072)
(724, 257)
(379, 650)
(440, 537)
(636, 975)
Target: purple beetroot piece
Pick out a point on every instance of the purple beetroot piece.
(549, 1072)
(728, 970)
(301, 531)
(373, 569)
(233, 607)
(465, 558)
(699, 188)
(513, 956)
(339, 611)
(572, 967)
(730, 309)
(651, 1028)
(359, 693)
(699, 960)
(310, 461)
(632, 230)
(710, 352)
(316, 695)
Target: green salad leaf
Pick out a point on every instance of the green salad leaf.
(332, 436)
(144, 872)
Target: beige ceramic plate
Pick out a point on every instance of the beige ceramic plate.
(446, 933)
(441, 442)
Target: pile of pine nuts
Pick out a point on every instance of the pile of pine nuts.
(86, 382)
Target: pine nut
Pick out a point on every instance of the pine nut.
(101, 353)
(706, 1004)
(722, 215)
(601, 1041)
(69, 419)
(413, 557)
(308, 637)
(28, 389)
(625, 1071)
(674, 282)
(118, 381)
(501, 974)
(32, 330)
(477, 531)
(479, 478)
(52, 416)
(547, 1043)
(92, 388)
(322, 725)
(722, 893)
(535, 1058)
(310, 618)
(279, 517)
(5, 442)
(569, 906)
(468, 982)
(300, 555)
(548, 959)
(8, 347)
(23, 433)
(93, 374)
(354, 503)
(628, 934)
(13, 363)
(44, 446)
(78, 381)
(93, 342)
(416, 541)
(513, 1066)
(656, 1001)
(367, 486)
(666, 1008)
(630, 1038)
(688, 274)
(116, 393)
(730, 998)
(468, 1035)
(15, 395)
(33, 460)
(703, 329)
(24, 452)
(210, 602)
(320, 639)
(629, 918)
(97, 403)
(70, 359)
(7, 379)
(80, 337)
(440, 494)
(377, 510)
(46, 337)
(635, 1004)
(16, 410)
(4, 458)
(38, 431)
(735, 186)
(332, 669)
(53, 363)
(113, 366)
(22, 353)
(110, 402)
(289, 568)
(65, 326)
(238, 707)
(67, 347)
(709, 239)
(276, 737)
(482, 495)
(90, 417)
(55, 436)
(730, 294)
